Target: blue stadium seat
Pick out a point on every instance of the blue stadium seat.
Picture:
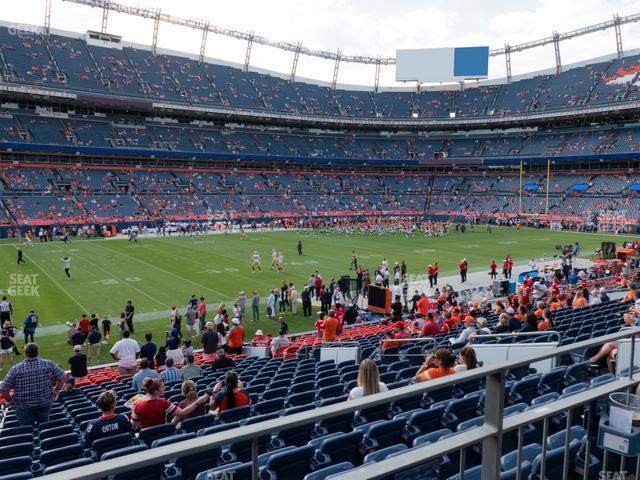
(59, 441)
(423, 422)
(235, 470)
(552, 381)
(189, 466)
(459, 411)
(17, 476)
(339, 448)
(291, 465)
(194, 424)
(217, 428)
(297, 436)
(234, 414)
(107, 444)
(554, 461)
(383, 453)
(339, 423)
(383, 435)
(524, 390)
(149, 434)
(16, 450)
(177, 438)
(268, 406)
(60, 455)
(60, 467)
(15, 465)
(121, 452)
(302, 398)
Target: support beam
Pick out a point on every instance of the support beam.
(556, 48)
(247, 55)
(47, 17)
(616, 27)
(156, 27)
(336, 68)
(105, 17)
(294, 65)
(377, 79)
(203, 43)
(507, 57)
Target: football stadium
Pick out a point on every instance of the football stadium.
(348, 240)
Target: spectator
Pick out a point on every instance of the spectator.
(173, 347)
(190, 393)
(155, 409)
(191, 370)
(368, 382)
(109, 423)
(255, 306)
(7, 344)
(236, 337)
(531, 323)
(260, 340)
(68, 390)
(125, 351)
(30, 326)
(35, 382)
(210, 341)
(306, 301)
(547, 320)
(330, 327)
(283, 324)
(503, 324)
(193, 326)
(171, 374)
(144, 372)
(77, 338)
(436, 365)
(73, 329)
(279, 344)
(609, 350)
(603, 295)
(232, 396)
(78, 364)
(595, 298)
(467, 360)
(149, 349)
(223, 361)
(430, 327)
(94, 345)
(84, 325)
(579, 301)
(470, 330)
(161, 357)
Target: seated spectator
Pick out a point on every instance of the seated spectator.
(579, 301)
(260, 340)
(430, 327)
(503, 324)
(171, 374)
(547, 320)
(280, 343)
(603, 295)
(368, 381)
(109, 423)
(155, 409)
(467, 360)
(436, 365)
(231, 396)
(190, 392)
(609, 350)
(191, 370)
(68, 390)
(78, 364)
(595, 298)
(470, 329)
(173, 347)
(144, 372)
(161, 357)
(531, 323)
(223, 361)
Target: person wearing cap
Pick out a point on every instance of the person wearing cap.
(260, 340)
(173, 347)
(93, 339)
(78, 363)
(236, 337)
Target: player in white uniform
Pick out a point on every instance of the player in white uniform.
(280, 262)
(274, 259)
(66, 263)
(255, 259)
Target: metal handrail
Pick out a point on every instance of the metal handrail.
(519, 334)
(491, 428)
(430, 340)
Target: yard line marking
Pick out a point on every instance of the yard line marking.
(57, 284)
(164, 271)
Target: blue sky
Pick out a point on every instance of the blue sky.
(368, 27)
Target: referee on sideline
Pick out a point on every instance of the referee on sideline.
(6, 309)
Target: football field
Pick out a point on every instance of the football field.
(159, 272)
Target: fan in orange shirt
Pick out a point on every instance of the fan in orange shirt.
(579, 301)
(437, 365)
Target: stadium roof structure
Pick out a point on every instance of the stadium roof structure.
(158, 16)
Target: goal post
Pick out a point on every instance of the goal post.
(521, 211)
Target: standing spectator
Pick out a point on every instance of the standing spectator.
(368, 382)
(202, 313)
(35, 383)
(191, 370)
(242, 303)
(279, 344)
(128, 315)
(255, 306)
(171, 374)
(6, 349)
(106, 329)
(12, 331)
(306, 301)
(94, 345)
(293, 299)
(156, 408)
(193, 326)
(463, 270)
(30, 325)
(236, 337)
(77, 337)
(330, 327)
(124, 352)
(78, 364)
(210, 340)
(283, 324)
(430, 327)
(84, 325)
(149, 349)
(161, 357)
(109, 423)
(144, 372)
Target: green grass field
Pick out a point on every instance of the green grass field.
(159, 272)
